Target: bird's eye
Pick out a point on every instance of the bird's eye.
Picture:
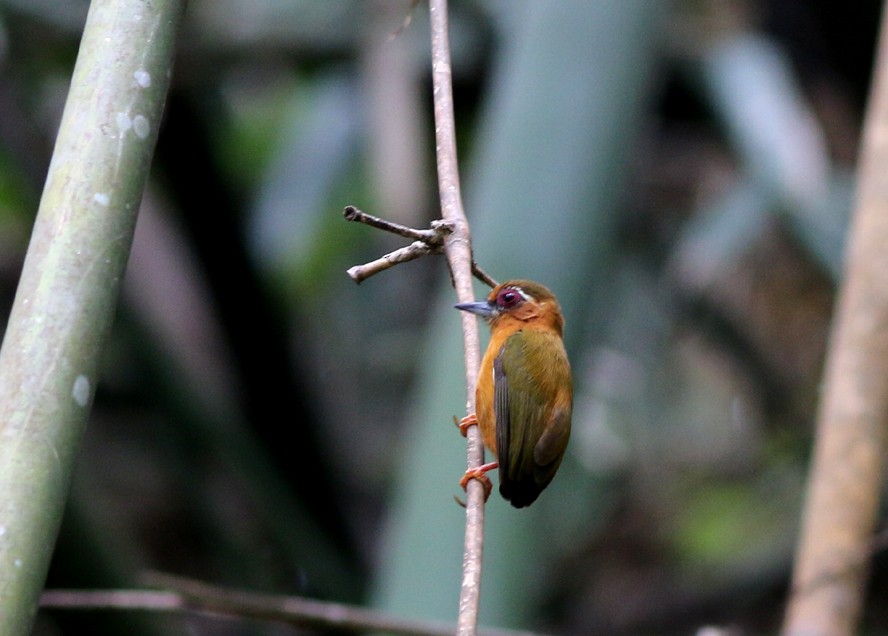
(508, 298)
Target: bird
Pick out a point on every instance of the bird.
(524, 391)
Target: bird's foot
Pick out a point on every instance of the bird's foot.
(464, 424)
(480, 473)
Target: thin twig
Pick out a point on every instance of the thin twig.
(458, 248)
(188, 595)
(453, 236)
(413, 251)
(483, 276)
(432, 237)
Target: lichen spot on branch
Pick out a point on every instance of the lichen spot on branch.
(142, 77)
(80, 390)
(141, 126)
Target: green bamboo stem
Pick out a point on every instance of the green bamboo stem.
(68, 291)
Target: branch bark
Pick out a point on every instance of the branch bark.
(458, 248)
(68, 290)
(846, 475)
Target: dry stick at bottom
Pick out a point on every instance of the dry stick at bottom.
(187, 595)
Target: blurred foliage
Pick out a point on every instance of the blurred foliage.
(680, 173)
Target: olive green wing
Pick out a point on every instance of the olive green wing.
(532, 407)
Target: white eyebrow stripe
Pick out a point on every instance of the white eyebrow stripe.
(523, 293)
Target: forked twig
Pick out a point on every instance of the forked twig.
(430, 241)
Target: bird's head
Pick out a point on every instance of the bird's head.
(518, 300)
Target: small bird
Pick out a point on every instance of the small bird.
(524, 397)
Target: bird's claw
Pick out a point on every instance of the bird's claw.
(479, 473)
(464, 424)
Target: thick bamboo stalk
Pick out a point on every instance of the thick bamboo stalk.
(68, 291)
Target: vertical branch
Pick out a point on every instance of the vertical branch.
(846, 474)
(458, 249)
(68, 290)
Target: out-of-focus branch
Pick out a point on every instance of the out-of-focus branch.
(182, 595)
(847, 470)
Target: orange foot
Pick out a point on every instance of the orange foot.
(464, 424)
(480, 473)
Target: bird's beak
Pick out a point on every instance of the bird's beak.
(482, 308)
